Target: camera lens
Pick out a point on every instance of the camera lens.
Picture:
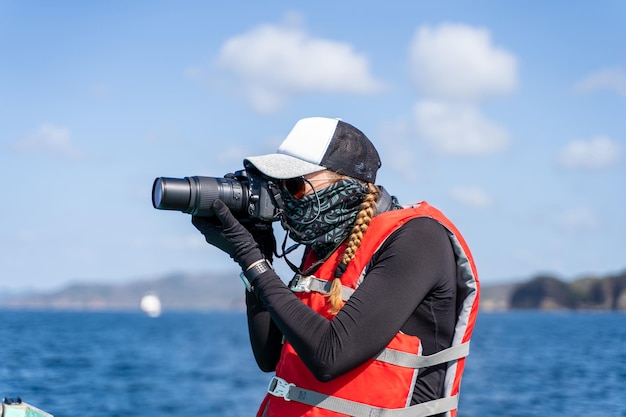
(171, 194)
(195, 195)
(157, 193)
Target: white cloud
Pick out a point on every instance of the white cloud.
(458, 129)
(579, 219)
(49, 139)
(611, 79)
(272, 63)
(474, 197)
(454, 67)
(460, 62)
(596, 153)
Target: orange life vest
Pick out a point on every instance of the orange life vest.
(384, 384)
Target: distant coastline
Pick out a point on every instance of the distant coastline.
(176, 292)
(183, 291)
(546, 292)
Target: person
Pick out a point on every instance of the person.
(378, 316)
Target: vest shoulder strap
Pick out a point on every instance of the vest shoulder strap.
(411, 360)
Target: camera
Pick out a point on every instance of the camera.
(246, 193)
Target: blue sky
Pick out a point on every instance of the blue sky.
(508, 116)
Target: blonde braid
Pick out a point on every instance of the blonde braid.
(362, 222)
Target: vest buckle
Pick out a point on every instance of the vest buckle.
(278, 387)
(302, 284)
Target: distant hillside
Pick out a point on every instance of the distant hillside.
(225, 292)
(176, 292)
(550, 293)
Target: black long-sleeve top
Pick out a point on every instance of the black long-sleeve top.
(410, 286)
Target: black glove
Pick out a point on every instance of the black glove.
(263, 234)
(225, 232)
(260, 230)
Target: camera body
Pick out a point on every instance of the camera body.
(246, 193)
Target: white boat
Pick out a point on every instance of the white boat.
(151, 305)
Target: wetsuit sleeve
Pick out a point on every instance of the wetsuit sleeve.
(406, 269)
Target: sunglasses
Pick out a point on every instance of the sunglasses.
(297, 186)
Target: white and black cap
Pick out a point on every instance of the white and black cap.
(318, 143)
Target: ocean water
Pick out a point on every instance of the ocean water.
(200, 364)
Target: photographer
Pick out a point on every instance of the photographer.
(381, 287)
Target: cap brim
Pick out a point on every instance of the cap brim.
(281, 166)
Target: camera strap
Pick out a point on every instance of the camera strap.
(277, 198)
(311, 269)
(287, 251)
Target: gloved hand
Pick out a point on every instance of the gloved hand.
(263, 234)
(225, 232)
(260, 230)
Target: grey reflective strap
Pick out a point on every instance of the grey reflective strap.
(410, 360)
(312, 283)
(290, 392)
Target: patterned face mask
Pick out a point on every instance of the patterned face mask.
(324, 218)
